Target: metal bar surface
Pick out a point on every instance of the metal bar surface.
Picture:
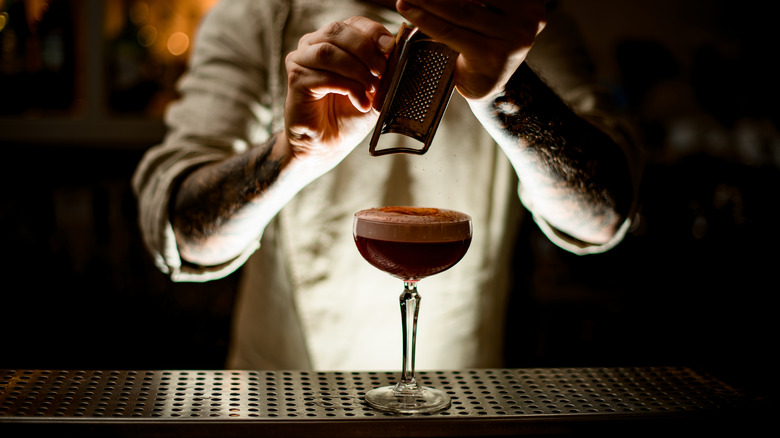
(485, 402)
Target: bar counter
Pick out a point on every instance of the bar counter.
(631, 401)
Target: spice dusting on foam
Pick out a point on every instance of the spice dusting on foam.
(413, 215)
(414, 211)
(412, 223)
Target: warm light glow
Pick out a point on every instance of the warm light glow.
(139, 13)
(39, 9)
(3, 20)
(164, 28)
(178, 43)
(147, 35)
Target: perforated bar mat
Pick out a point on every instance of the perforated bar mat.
(485, 402)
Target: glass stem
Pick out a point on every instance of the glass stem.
(410, 307)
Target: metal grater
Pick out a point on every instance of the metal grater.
(414, 92)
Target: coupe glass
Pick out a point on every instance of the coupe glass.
(411, 243)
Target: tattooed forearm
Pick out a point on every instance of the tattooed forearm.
(212, 195)
(579, 172)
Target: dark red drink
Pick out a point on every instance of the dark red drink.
(412, 243)
(412, 260)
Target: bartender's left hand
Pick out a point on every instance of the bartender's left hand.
(492, 36)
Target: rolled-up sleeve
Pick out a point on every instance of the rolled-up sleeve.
(561, 59)
(227, 100)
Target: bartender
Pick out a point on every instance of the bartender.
(265, 163)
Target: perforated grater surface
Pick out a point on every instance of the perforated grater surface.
(485, 402)
(414, 92)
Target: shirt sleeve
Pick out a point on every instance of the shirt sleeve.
(561, 59)
(226, 105)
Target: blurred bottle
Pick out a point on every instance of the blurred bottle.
(14, 39)
(56, 81)
(37, 57)
(131, 70)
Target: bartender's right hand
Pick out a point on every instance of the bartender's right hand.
(332, 80)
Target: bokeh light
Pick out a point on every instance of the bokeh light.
(178, 43)
(147, 35)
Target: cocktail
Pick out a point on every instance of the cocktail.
(411, 243)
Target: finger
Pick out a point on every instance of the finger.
(317, 84)
(383, 39)
(362, 38)
(467, 14)
(329, 58)
(461, 21)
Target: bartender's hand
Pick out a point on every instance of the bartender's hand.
(332, 79)
(492, 36)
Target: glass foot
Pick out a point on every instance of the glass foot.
(389, 400)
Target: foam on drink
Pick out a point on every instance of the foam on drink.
(412, 224)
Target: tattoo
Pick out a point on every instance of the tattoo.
(211, 195)
(584, 168)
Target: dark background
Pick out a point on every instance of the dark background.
(691, 284)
